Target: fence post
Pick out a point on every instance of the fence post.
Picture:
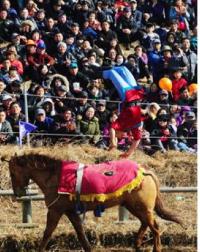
(26, 110)
(27, 211)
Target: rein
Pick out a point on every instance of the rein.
(53, 202)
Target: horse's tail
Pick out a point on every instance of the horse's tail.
(159, 206)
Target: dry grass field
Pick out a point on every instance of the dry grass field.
(172, 168)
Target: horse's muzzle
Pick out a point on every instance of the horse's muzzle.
(19, 192)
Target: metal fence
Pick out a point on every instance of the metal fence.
(33, 195)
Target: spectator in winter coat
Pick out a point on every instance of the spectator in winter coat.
(125, 27)
(2, 90)
(81, 104)
(161, 137)
(155, 60)
(177, 83)
(187, 132)
(63, 98)
(63, 57)
(192, 59)
(185, 98)
(49, 108)
(65, 124)
(102, 114)
(89, 126)
(150, 37)
(78, 81)
(44, 125)
(105, 35)
(14, 117)
(163, 99)
(6, 132)
(12, 76)
(12, 56)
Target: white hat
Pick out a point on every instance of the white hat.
(6, 97)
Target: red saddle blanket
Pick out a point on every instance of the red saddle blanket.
(101, 181)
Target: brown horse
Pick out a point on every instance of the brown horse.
(45, 172)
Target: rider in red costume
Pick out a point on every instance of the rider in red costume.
(130, 121)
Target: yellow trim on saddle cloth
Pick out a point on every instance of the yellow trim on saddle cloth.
(103, 197)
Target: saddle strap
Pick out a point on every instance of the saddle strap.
(79, 177)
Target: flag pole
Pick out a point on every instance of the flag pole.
(26, 110)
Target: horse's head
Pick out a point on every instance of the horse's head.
(19, 175)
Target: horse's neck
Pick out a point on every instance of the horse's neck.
(46, 178)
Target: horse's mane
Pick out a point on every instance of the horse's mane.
(45, 161)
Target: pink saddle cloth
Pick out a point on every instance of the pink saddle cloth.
(101, 181)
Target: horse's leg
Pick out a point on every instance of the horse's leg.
(140, 235)
(155, 230)
(53, 218)
(144, 225)
(76, 222)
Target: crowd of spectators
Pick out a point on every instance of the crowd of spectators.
(61, 48)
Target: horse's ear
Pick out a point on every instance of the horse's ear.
(5, 158)
(15, 154)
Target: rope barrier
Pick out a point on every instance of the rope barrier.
(95, 100)
(82, 135)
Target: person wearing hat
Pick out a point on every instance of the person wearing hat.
(136, 14)
(16, 41)
(187, 132)
(6, 132)
(163, 98)
(102, 114)
(26, 28)
(105, 12)
(155, 60)
(125, 28)
(43, 57)
(49, 107)
(162, 138)
(63, 23)
(44, 124)
(40, 57)
(81, 104)
(63, 98)
(6, 101)
(129, 121)
(178, 60)
(167, 56)
(78, 80)
(40, 19)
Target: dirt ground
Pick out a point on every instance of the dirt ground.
(106, 233)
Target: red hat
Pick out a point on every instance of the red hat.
(133, 95)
